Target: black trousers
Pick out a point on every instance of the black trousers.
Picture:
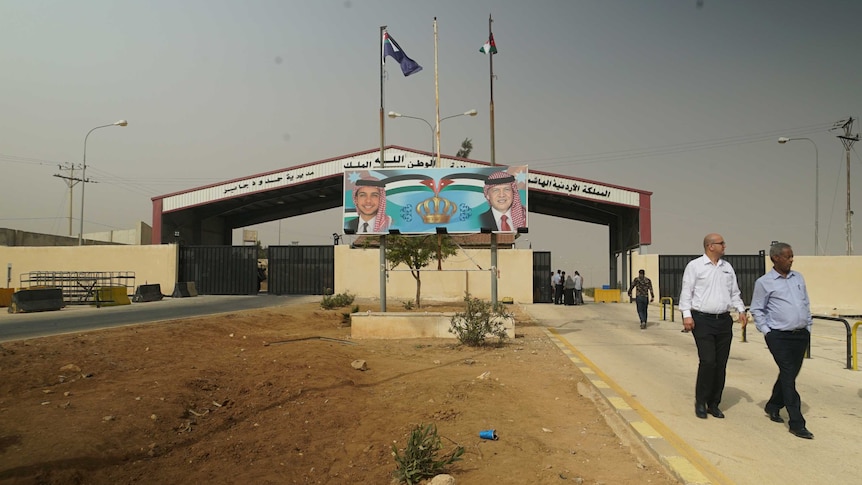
(788, 350)
(713, 337)
(558, 294)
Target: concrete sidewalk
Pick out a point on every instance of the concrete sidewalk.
(648, 376)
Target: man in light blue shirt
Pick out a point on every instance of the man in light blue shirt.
(781, 311)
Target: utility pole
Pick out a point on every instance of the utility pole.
(848, 140)
(71, 181)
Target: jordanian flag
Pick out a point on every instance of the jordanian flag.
(490, 47)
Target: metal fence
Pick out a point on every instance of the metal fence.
(747, 267)
(80, 287)
(219, 270)
(301, 270)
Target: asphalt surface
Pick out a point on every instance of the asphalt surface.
(648, 377)
(78, 318)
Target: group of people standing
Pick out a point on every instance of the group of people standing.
(567, 290)
(781, 310)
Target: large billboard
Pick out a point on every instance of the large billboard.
(461, 200)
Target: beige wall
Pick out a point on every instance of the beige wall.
(357, 271)
(141, 234)
(833, 281)
(151, 264)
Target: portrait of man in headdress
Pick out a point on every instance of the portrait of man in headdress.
(369, 197)
(506, 213)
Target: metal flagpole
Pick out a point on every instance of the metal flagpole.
(491, 71)
(436, 93)
(382, 237)
(493, 162)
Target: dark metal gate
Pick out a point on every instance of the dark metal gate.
(542, 277)
(747, 267)
(301, 270)
(219, 270)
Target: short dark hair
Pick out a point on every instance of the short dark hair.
(641, 271)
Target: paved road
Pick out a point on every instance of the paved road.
(80, 318)
(653, 371)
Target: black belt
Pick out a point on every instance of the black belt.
(796, 330)
(716, 316)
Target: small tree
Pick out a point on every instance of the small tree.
(479, 321)
(416, 253)
(466, 148)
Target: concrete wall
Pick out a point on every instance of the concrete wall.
(357, 271)
(141, 234)
(14, 237)
(151, 264)
(833, 281)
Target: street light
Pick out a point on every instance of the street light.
(84, 175)
(817, 247)
(393, 114)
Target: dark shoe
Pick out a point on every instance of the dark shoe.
(643, 325)
(713, 410)
(803, 433)
(700, 410)
(774, 416)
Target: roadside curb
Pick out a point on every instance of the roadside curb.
(680, 460)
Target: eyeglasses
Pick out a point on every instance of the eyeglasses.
(721, 243)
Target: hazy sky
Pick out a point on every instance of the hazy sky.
(682, 100)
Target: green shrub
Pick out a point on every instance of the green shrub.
(478, 321)
(408, 304)
(336, 301)
(420, 460)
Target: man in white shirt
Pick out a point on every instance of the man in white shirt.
(709, 292)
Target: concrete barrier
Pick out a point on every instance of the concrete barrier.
(391, 325)
(148, 293)
(112, 296)
(37, 300)
(6, 296)
(607, 296)
(184, 289)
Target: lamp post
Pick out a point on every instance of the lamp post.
(817, 249)
(393, 114)
(84, 175)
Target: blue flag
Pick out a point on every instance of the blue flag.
(391, 48)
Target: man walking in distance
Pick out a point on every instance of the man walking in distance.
(782, 313)
(644, 295)
(709, 291)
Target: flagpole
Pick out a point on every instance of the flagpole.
(382, 127)
(382, 237)
(436, 93)
(494, 272)
(491, 110)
